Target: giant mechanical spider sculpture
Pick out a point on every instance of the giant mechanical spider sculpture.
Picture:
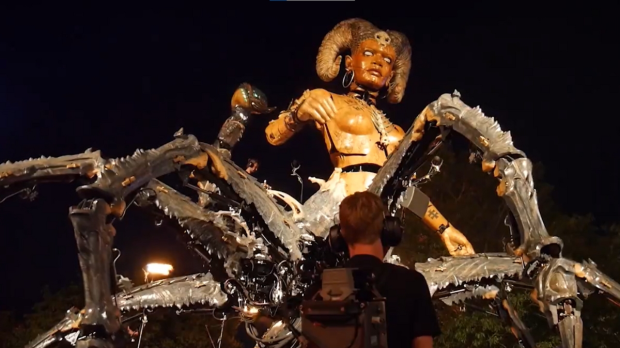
(269, 255)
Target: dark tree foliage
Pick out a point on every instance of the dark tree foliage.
(467, 197)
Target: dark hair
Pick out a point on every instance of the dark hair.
(252, 162)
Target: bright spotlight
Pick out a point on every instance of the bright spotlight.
(159, 268)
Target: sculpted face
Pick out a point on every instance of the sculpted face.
(372, 64)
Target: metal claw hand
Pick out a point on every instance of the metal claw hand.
(252, 99)
(247, 100)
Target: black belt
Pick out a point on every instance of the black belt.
(371, 168)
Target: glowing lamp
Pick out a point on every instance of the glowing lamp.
(250, 310)
(161, 269)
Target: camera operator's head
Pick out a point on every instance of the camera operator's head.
(361, 223)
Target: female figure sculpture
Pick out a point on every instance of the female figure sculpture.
(358, 136)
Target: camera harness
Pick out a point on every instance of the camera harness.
(391, 236)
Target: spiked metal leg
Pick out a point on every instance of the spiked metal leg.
(94, 237)
(570, 324)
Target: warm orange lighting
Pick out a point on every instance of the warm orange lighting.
(159, 268)
(250, 310)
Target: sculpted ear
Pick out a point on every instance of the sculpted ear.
(348, 62)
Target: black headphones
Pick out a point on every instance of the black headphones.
(391, 235)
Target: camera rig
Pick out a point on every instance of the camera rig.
(348, 311)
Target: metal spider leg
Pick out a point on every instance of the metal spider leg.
(253, 194)
(94, 236)
(123, 176)
(186, 291)
(508, 314)
(556, 293)
(570, 324)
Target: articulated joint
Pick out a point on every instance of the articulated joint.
(565, 308)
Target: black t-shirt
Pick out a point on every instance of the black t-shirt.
(409, 309)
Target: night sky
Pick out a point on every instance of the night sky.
(70, 80)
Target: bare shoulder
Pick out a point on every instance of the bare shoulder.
(320, 92)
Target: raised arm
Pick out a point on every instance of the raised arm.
(316, 105)
(453, 239)
(280, 130)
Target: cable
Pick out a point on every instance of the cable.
(115, 272)
(216, 318)
(295, 166)
(133, 200)
(253, 333)
(355, 333)
(29, 193)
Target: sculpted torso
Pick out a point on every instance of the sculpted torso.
(352, 139)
